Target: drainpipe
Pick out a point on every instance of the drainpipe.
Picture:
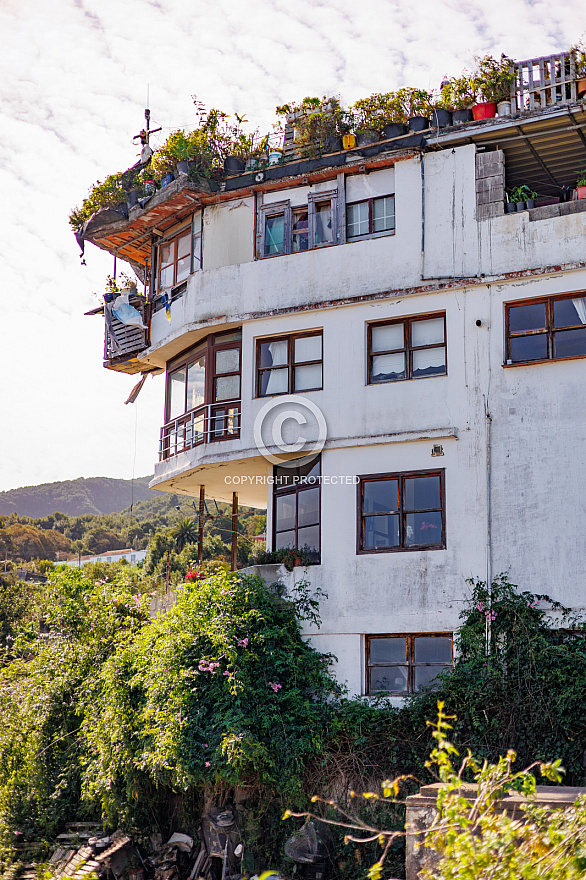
(422, 173)
(488, 418)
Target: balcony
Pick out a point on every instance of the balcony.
(209, 423)
(124, 342)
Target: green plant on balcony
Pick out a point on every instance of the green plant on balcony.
(415, 102)
(458, 93)
(378, 110)
(493, 79)
(522, 193)
(578, 53)
(104, 194)
(316, 122)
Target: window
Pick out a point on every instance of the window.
(401, 512)
(296, 508)
(179, 256)
(288, 364)
(203, 391)
(404, 664)
(410, 348)
(285, 229)
(546, 329)
(371, 217)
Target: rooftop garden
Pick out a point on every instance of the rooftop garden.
(319, 125)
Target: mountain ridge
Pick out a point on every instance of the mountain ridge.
(94, 495)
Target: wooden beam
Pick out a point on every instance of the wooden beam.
(202, 508)
(234, 531)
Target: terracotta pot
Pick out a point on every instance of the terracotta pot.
(581, 86)
(484, 110)
(297, 560)
(581, 192)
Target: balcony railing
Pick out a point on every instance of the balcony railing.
(544, 82)
(206, 424)
(125, 340)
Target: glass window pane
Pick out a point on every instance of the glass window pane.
(386, 367)
(274, 235)
(227, 387)
(300, 236)
(183, 269)
(357, 220)
(307, 348)
(388, 337)
(392, 679)
(227, 360)
(428, 362)
(430, 649)
(225, 420)
(569, 343)
(423, 676)
(177, 393)
(284, 539)
(324, 233)
(229, 336)
(528, 348)
(422, 493)
(383, 214)
(381, 531)
(285, 512)
(308, 540)
(274, 381)
(423, 528)
(308, 472)
(388, 650)
(307, 378)
(196, 251)
(308, 507)
(531, 317)
(166, 277)
(273, 354)
(184, 245)
(167, 254)
(380, 496)
(428, 332)
(569, 312)
(196, 376)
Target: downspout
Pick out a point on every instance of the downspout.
(488, 422)
(422, 173)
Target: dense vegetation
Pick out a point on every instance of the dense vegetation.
(107, 713)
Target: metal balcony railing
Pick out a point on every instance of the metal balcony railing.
(206, 424)
(544, 82)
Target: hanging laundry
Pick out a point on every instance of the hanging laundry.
(126, 313)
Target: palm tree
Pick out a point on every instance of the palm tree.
(185, 532)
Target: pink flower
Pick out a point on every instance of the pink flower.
(275, 686)
(208, 764)
(206, 745)
(243, 642)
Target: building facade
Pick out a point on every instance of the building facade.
(384, 314)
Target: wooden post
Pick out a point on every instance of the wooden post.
(168, 568)
(234, 531)
(202, 509)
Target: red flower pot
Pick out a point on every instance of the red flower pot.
(581, 192)
(485, 110)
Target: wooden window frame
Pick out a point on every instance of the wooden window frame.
(208, 346)
(298, 487)
(549, 330)
(164, 242)
(289, 338)
(370, 233)
(287, 209)
(401, 476)
(408, 348)
(409, 660)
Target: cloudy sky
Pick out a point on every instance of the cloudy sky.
(73, 85)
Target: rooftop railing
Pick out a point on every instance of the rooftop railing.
(206, 424)
(545, 82)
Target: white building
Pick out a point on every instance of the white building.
(131, 556)
(442, 338)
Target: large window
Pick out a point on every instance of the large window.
(401, 512)
(179, 255)
(288, 364)
(296, 508)
(546, 329)
(286, 229)
(404, 664)
(371, 217)
(203, 395)
(409, 348)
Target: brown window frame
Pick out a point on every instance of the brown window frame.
(409, 659)
(548, 330)
(290, 339)
(295, 489)
(194, 258)
(288, 210)
(371, 233)
(408, 348)
(402, 512)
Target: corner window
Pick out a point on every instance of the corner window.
(401, 512)
(409, 348)
(370, 217)
(296, 508)
(404, 664)
(203, 395)
(550, 328)
(288, 364)
(287, 229)
(179, 256)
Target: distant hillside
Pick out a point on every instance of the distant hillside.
(94, 495)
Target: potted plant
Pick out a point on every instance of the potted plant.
(319, 124)
(381, 113)
(578, 53)
(417, 106)
(459, 96)
(581, 184)
(492, 80)
(523, 197)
